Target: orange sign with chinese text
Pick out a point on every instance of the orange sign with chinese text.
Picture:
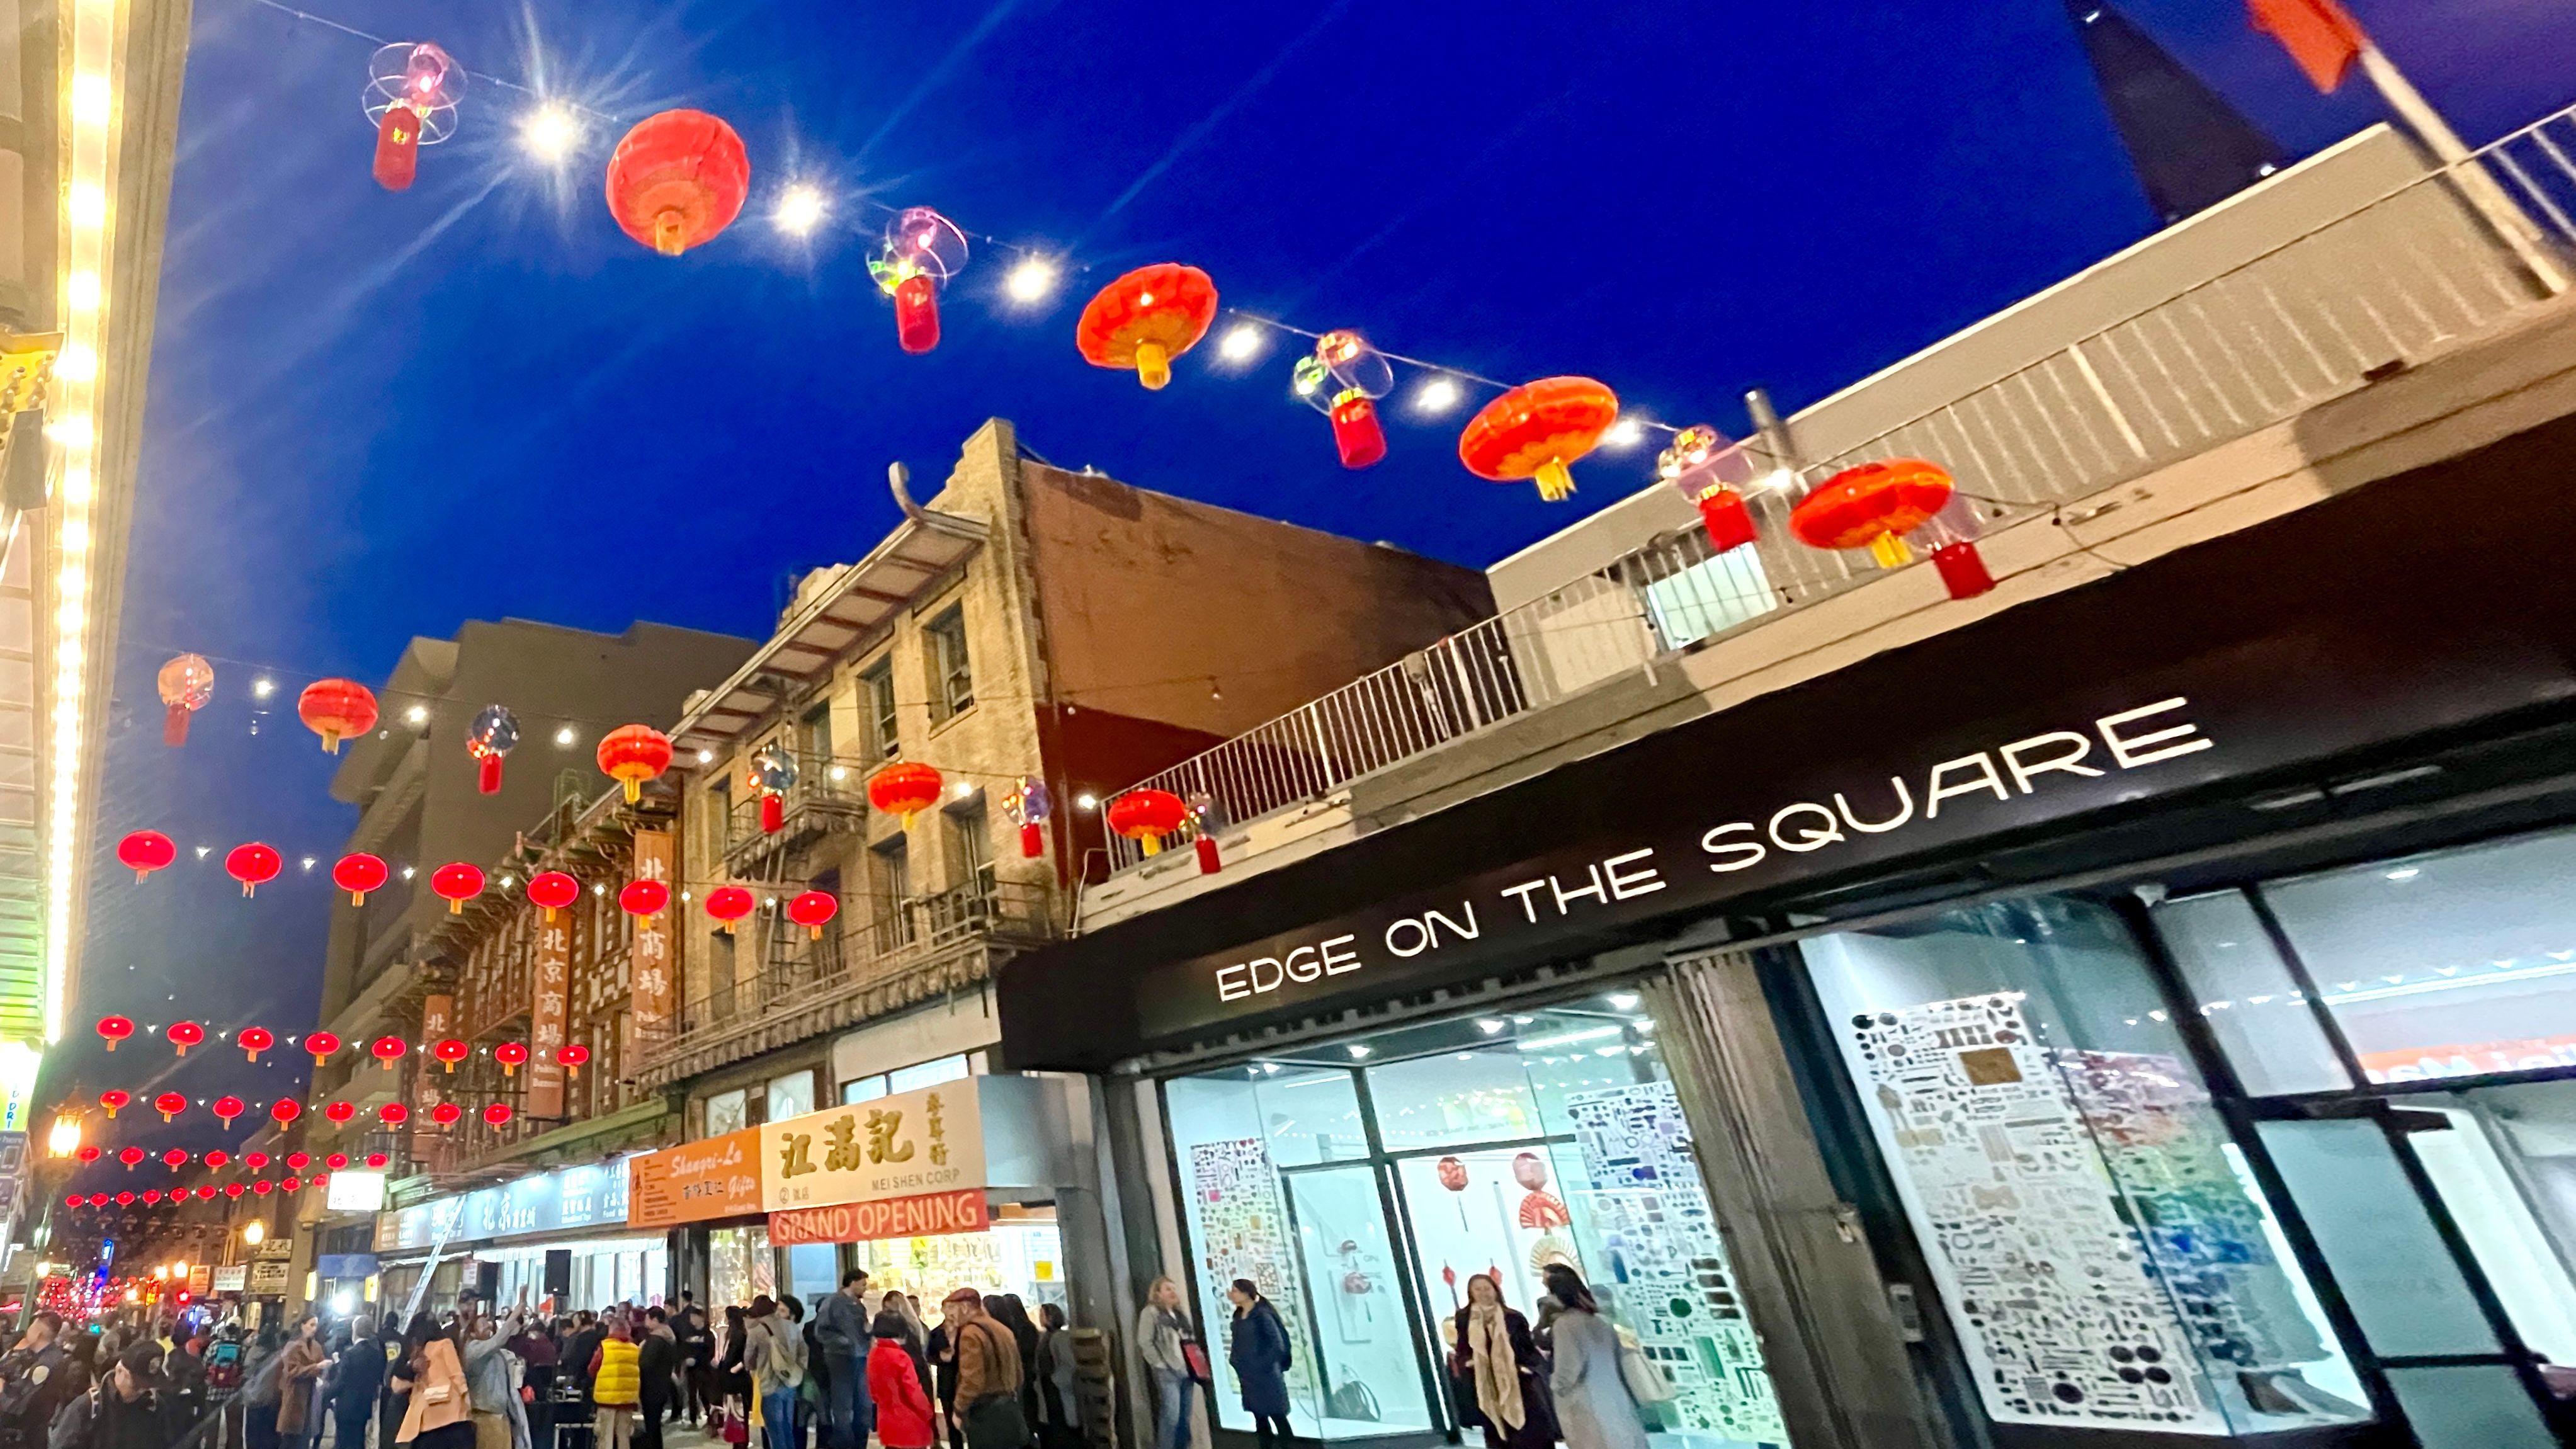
(715, 1178)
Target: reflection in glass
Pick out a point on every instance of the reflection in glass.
(2506, 1173)
(2100, 1249)
(2262, 1020)
(2469, 1406)
(2388, 1258)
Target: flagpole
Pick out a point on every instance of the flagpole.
(2477, 187)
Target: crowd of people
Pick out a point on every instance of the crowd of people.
(767, 1375)
(1527, 1386)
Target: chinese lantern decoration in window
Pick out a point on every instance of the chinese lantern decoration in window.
(677, 179)
(729, 904)
(358, 873)
(393, 1114)
(1146, 318)
(553, 890)
(285, 1110)
(1027, 805)
(130, 1157)
(633, 754)
(905, 789)
(187, 682)
(169, 1105)
(411, 96)
(1536, 429)
(496, 1115)
(218, 1157)
(512, 1055)
(572, 1056)
(185, 1034)
(114, 1098)
(115, 1029)
(456, 883)
(445, 1114)
(1203, 828)
(772, 774)
(336, 709)
(1146, 816)
(389, 1050)
(254, 865)
(644, 899)
(1711, 472)
(322, 1045)
(1875, 505)
(174, 1159)
(922, 250)
(814, 910)
(144, 852)
(495, 733)
(450, 1051)
(253, 1040)
(1343, 378)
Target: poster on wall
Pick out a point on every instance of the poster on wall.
(1659, 1262)
(1243, 1233)
(2052, 1300)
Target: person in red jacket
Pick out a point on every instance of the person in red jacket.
(903, 1410)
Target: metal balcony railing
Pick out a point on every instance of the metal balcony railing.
(817, 804)
(882, 938)
(2317, 316)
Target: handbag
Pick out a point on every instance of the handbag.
(1194, 1353)
(737, 1429)
(1644, 1380)
(994, 1421)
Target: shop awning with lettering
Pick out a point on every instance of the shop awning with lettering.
(976, 1134)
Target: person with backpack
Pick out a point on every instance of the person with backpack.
(988, 1374)
(129, 1408)
(1593, 1406)
(1258, 1349)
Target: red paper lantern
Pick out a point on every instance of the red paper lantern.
(285, 1110)
(73, 1201)
(115, 1029)
(456, 883)
(169, 1105)
(633, 754)
(677, 179)
(254, 1039)
(99, 1199)
(1963, 571)
(291, 1184)
(186, 683)
(445, 1114)
(145, 851)
(254, 865)
(498, 1114)
(1209, 864)
(337, 1160)
(234, 1189)
(1536, 429)
(263, 1187)
(393, 1114)
(644, 899)
(494, 735)
(1145, 319)
(1873, 506)
(254, 1160)
(450, 1051)
(1146, 816)
(730, 904)
(814, 910)
(298, 1161)
(553, 890)
(151, 1196)
(375, 1159)
(174, 1159)
(218, 1157)
(389, 1050)
(185, 1034)
(227, 1108)
(321, 1045)
(205, 1192)
(340, 1112)
(130, 1157)
(125, 1199)
(571, 1055)
(905, 788)
(512, 1055)
(114, 1098)
(90, 1153)
(359, 873)
(1342, 378)
(336, 709)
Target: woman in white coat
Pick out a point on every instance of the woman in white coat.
(1593, 1410)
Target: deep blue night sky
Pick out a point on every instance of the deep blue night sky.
(373, 415)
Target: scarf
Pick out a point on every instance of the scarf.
(1498, 1376)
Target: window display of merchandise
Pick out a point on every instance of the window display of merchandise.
(1361, 1183)
(1021, 1254)
(740, 1264)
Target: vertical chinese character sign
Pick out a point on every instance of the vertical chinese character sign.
(551, 978)
(437, 1023)
(652, 956)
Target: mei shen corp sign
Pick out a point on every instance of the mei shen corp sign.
(2009, 782)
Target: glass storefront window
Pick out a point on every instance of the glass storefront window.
(1361, 1183)
(1023, 1256)
(739, 1266)
(2103, 1253)
(2254, 1005)
(2445, 965)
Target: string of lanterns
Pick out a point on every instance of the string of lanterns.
(321, 1046)
(202, 1192)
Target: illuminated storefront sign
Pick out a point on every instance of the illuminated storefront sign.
(716, 1178)
(926, 1141)
(575, 1198)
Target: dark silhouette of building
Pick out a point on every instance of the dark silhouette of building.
(2191, 148)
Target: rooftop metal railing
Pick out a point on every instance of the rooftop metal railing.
(2319, 315)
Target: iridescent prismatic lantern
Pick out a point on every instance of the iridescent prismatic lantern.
(772, 773)
(1027, 805)
(1343, 378)
(186, 682)
(1711, 473)
(495, 733)
(411, 96)
(922, 251)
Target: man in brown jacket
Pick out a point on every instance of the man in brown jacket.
(988, 1375)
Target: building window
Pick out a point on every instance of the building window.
(952, 679)
(720, 975)
(971, 838)
(893, 867)
(876, 709)
(818, 732)
(791, 1095)
(728, 1112)
(719, 813)
(912, 1078)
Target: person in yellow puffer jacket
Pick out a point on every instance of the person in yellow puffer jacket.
(616, 1387)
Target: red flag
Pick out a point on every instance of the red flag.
(2320, 35)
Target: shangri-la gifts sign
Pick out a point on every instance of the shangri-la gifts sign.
(931, 1140)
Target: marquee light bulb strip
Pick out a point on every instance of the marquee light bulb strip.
(90, 117)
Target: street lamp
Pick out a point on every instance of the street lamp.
(65, 1139)
(253, 1231)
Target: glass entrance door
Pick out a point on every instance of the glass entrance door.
(1364, 1378)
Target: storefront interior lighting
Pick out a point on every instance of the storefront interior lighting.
(1569, 1038)
(1358, 1050)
